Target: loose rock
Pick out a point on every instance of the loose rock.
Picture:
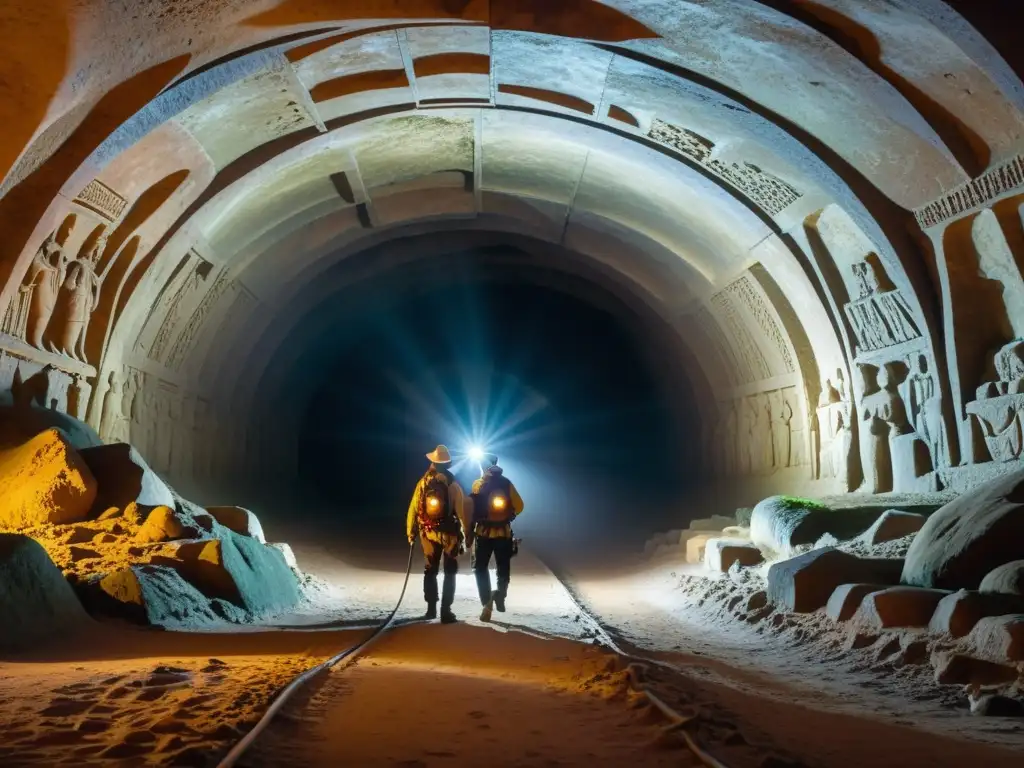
(846, 599)
(720, 554)
(1000, 638)
(964, 540)
(898, 607)
(782, 523)
(805, 583)
(44, 481)
(957, 669)
(957, 614)
(124, 477)
(239, 520)
(892, 525)
(1006, 579)
(163, 524)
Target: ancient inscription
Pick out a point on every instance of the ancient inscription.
(101, 199)
(768, 192)
(195, 323)
(973, 194)
(879, 318)
(744, 292)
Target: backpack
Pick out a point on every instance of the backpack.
(492, 503)
(434, 506)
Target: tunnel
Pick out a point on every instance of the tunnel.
(669, 260)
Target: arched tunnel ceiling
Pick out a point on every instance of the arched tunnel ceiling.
(731, 164)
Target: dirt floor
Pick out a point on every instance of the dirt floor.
(761, 694)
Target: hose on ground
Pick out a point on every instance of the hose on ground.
(231, 758)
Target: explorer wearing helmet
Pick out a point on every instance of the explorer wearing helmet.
(495, 504)
(436, 514)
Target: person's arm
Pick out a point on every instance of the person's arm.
(460, 504)
(516, 499)
(414, 508)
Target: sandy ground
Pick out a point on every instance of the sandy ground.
(502, 694)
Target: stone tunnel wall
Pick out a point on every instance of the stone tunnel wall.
(841, 266)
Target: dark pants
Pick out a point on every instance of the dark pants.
(433, 553)
(482, 551)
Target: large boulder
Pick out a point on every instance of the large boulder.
(151, 594)
(44, 481)
(36, 603)
(964, 540)
(957, 614)
(720, 554)
(237, 568)
(898, 607)
(1000, 638)
(22, 424)
(782, 523)
(805, 583)
(239, 520)
(893, 524)
(1007, 579)
(123, 477)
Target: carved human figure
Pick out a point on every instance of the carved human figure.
(925, 407)
(884, 416)
(782, 429)
(835, 428)
(82, 292)
(128, 394)
(865, 278)
(44, 278)
(111, 415)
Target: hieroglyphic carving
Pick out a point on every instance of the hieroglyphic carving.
(101, 199)
(743, 290)
(753, 365)
(184, 341)
(173, 301)
(768, 192)
(879, 318)
(974, 194)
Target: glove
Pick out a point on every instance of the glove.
(411, 538)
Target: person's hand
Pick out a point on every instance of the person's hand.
(411, 539)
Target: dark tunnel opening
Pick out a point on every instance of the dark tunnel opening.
(576, 389)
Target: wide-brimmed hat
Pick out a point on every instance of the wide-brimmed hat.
(440, 455)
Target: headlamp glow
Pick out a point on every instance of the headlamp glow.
(498, 502)
(433, 503)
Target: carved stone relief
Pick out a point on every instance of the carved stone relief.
(998, 409)
(77, 300)
(191, 330)
(835, 433)
(101, 199)
(880, 316)
(758, 434)
(974, 194)
(177, 298)
(28, 315)
(768, 192)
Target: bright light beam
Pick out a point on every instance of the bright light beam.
(476, 453)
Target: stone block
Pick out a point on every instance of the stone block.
(695, 547)
(240, 520)
(781, 523)
(898, 607)
(846, 599)
(1007, 579)
(720, 554)
(957, 614)
(1000, 638)
(123, 476)
(805, 583)
(893, 524)
(44, 480)
(958, 669)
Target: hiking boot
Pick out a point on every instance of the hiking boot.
(499, 602)
(447, 617)
(431, 613)
(485, 614)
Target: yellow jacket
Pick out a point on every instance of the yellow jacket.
(456, 502)
(496, 531)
